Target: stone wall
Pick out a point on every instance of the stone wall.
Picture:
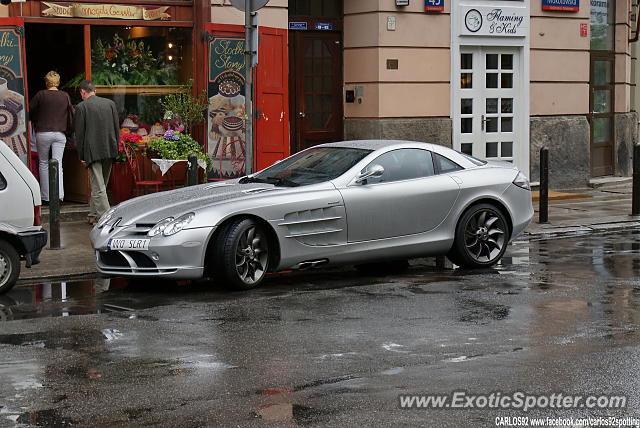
(567, 138)
(626, 128)
(429, 130)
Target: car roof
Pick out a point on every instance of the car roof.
(379, 144)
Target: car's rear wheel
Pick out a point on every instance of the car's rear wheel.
(9, 266)
(481, 237)
(243, 253)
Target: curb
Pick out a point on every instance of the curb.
(566, 231)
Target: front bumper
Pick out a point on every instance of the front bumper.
(180, 256)
(32, 243)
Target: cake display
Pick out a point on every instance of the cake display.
(229, 88)
(8, 122)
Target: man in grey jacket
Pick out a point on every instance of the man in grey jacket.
(97, 130)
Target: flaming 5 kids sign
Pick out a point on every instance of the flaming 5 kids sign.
(561, 5)
(494, 21)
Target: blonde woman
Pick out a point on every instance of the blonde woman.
(49, 113)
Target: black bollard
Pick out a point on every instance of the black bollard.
(635, 198)
(54, 205)
(543, 212)
(192, 172)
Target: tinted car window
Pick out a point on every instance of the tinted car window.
(445, 165)
(403, 164)
(3, 182)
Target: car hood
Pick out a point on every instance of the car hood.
(157, 206)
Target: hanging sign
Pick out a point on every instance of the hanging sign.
(504, 21)
(226, 116)
(433, 5)
(112, 11)
(561, 5)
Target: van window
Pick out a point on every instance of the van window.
(3, 182)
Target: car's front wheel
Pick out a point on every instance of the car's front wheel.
(9, 266)
(481, 237)
(243, 254)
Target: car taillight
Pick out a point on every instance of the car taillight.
(37, 220)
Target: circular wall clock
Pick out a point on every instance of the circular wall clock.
(473, 20)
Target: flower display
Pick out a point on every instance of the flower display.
(176, 145)
(130, 140)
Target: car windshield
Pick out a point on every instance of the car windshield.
(311, 166)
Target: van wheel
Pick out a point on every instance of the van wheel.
(9, 266)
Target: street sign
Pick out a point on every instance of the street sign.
(324, 26)
(433, 5)
(255, 4)
(561, 5)
(297, 26)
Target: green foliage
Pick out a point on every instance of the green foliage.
(185, 107)
(175, 145)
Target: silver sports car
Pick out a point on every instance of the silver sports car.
(352, 202)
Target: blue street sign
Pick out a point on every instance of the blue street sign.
(325, 26)
(561, 5)
(297, 26)
(433, 5)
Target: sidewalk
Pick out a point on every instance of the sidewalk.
(570, 212)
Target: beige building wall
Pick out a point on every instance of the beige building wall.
(420, 43)
(274, 14)
(559, 62)
(4, 11)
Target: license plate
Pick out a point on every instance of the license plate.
(129, 244)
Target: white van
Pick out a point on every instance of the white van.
(21, 236)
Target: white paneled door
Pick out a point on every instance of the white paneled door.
(489, 98)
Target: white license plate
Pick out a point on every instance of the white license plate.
(129, 244)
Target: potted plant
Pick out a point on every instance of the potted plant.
(121, 179)
(175, 145)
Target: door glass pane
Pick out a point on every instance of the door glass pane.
(507, 80)
(492, 150)
(326, 85)
(507, 105)
(466, 125)
(308, 84)
(492, 80)
(492, 124)
(492, 105)
(601, 73)
(466, 148)
(308, 103)
(492, 61)
(466, 61)
(507, 124)
(466, 80)
(602, 24)
(403, 164)
(601, 129)
(506, 149)
(308, 66)
(466, 106)
(507, 61)
(602, 101)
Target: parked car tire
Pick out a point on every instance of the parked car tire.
(9, 266)
(481, 237)
(243, 254)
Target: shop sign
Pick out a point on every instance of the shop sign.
(297, 26)
(323, 26)
(561, 5)
(504, 21)
(13, 126)
(111, 11)
(433, 5)
(226, 114)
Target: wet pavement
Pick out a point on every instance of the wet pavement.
(327, 347)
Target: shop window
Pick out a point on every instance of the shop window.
(602, 15)
(136, 66)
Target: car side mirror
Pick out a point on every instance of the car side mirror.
(373, 172)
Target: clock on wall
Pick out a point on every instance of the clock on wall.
(473, 20)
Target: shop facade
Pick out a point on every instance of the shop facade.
(497, 79)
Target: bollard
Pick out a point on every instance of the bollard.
(192, 171)
(543, 212)
(635, 199)
(54, 205)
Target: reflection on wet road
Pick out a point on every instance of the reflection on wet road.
(326, 347)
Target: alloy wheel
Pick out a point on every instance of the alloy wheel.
(251, 255)
(5, 269)
(485, 236)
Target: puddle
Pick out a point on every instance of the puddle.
(54, 339)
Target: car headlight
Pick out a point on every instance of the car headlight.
(522, 181)
(178, 224)
(106, 217)
(159, 227)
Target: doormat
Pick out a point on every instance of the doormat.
(557, 196)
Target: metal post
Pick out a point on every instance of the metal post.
(248, 85)
(54, 205)
(635, 199)
(543, 213)
(192, 172)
